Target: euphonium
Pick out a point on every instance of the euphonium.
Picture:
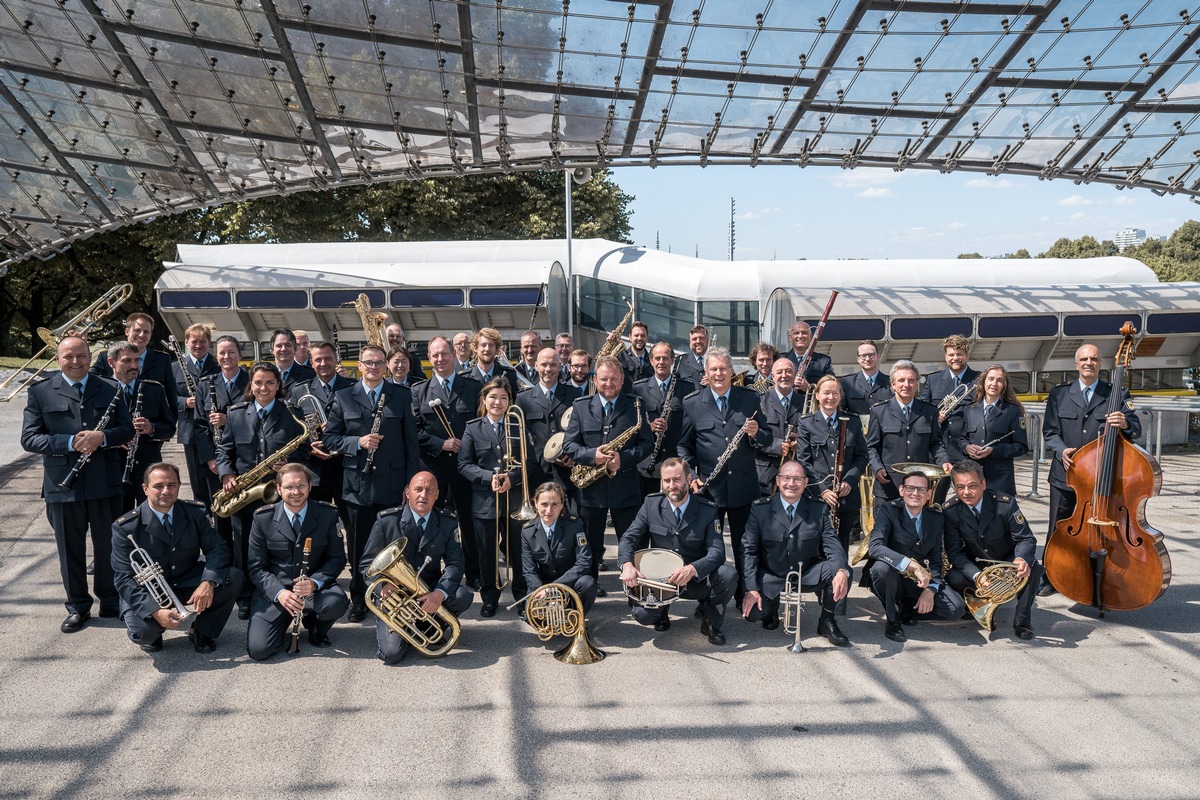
(431, 635)
(1003, 585)
(556, 610)
(584, 476)
(251, 486)
(789, 601)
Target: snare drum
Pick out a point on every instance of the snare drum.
(653, 589)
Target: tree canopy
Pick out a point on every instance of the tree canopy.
(522, 205)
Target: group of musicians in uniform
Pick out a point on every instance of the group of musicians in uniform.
(676, 449)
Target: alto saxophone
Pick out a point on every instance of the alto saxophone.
(251, 486)
(583, 476)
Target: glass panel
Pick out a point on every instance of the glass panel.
(426, 298)
(852, 330)
(601, 304)
(1097, 324)
(336, 298)
(930, 327)
(1008, 327)
(515, 296)
(669, 319)
(1173, 323)
(734, 323)
(274, 298)
(196, 298)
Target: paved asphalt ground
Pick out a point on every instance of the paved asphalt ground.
(1089, 709)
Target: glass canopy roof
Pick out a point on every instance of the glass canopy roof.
(117, 111)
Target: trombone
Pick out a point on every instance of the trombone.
(79, 324)
(526, 512)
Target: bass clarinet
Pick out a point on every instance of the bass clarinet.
(376, 422)
(84, 458)
(127, 476)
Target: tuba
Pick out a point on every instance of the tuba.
(556, 610)
(149, 573)
(432, 635)
(1003, 585)
(254, 485)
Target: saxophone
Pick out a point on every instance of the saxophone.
(583, 476)
(613, 346)
(251, 486)
(373, 322)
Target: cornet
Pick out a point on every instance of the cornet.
(149, 573)
(789, 600)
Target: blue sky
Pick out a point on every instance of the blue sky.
(826, 212)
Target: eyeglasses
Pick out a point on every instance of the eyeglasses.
(914, 489)
(373, 364)
(867, 356)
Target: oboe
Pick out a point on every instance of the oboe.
(127, 476)
(294, 645)
(84, 458)
(376, 421)
(217, 430)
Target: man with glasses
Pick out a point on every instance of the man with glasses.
(786, 532)
(867, 386)
(905, 560)
(1076, 412)
(61, 422)
(579, 372)
(564, 344)
(276, 561)
(372, 424)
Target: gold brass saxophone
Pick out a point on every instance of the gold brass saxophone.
(613, 346)
(556, 610)
(257, 483)
(373, 322)
(1002, 585)
(431, 635)
(584, 476)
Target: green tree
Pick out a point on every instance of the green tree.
(1022, 253)
(523, 205)
(1083, 247)
(969, 255)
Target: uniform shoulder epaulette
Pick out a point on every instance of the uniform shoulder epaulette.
(194, 503)
(881, 403)
(640, 381)
(327, 504)
(387, 512)
(655, 494)
(953, 501)
(897, 503)
(704, 501)
(238, 406)
(469, 377)
(696, 392)
(1003, 498)
(762, 501)
(572, 517)
(807, 416)
(1064, 383)
(267, 509)
(128, 516)
(448, 513)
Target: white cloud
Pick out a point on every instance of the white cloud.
(1075, 201)
(956, 226)
(748, 215)
(875, 192)
(1078, 215)
(862, 177)
(1123, 200)
(989, 183)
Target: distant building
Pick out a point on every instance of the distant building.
(1129, 237)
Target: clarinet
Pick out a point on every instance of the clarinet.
(127, 476)
(217, 430)
(376, 421)
(177, 351)
(84, 458)
(656, 453)
(294, 644)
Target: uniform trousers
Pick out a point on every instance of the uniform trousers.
(897, 592)
(210, 622)
(72, 522)
(393, 647)
(818, 580)
(713, 591)
(490, 572)
(595, 520)
(267, 632)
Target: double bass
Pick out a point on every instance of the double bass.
(1106, 554)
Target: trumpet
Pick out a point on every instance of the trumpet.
(149, 574)
(954, 399)
(79, 325)
(315, 417)
(789, 599)
(556, 610)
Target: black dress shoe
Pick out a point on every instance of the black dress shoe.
(244, 612)
(895, 632)
(714, 634)
(828, 628)
(1023, 631)
(603, 566)
(488, 611)
(908, 617)
(1046, 589)
(202, 643)
(663, 624)
(319, 639)
(357, 613)
(152, 647)
(74, 622)
(600, 592)
(770, 623)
